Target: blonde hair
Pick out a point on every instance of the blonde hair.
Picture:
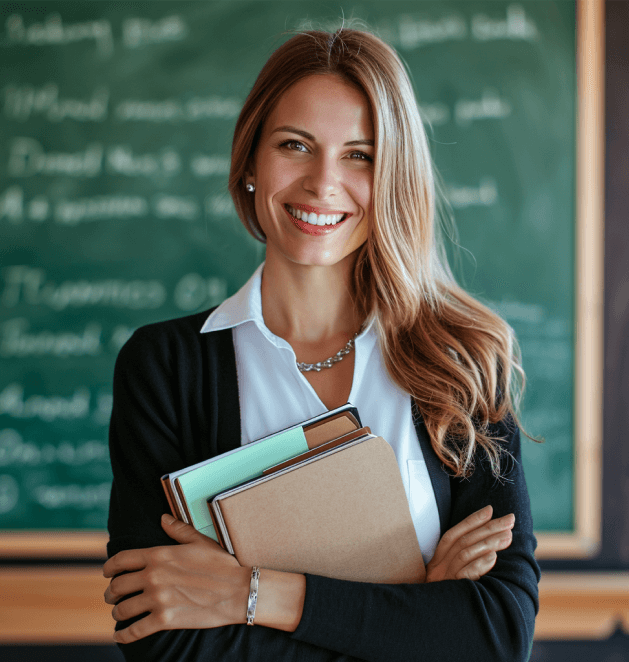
(457, 359)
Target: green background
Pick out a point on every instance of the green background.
(115, 135)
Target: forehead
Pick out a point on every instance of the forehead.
(323, 105)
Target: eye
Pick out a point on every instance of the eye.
(294, 146)
(360, 156)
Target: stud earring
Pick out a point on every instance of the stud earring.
(250, 187)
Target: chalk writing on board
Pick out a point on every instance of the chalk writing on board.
(79, 497)
(489, 106)
(121, 160)
(15, 451)
(205, 165)
(194, 291)
(104, 404)
(20, 103)
(515, 26)
(27, 157)
(532, 313)
(435, 114)
(17, 340)
(176, 206)
(175, 110)
(138, 32)
(54, 32)
(416, 32)
(9, 493)
(29, 285)
(101, 207)
(119, 336)
(483, 195)
(48, 408)
(16, 210)
(219, 205)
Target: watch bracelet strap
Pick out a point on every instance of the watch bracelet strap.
(253, 594)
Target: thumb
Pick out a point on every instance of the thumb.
(178, 530)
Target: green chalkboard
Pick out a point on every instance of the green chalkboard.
(114, 151)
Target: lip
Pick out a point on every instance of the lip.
(313, 230)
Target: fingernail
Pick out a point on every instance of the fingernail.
(167, 519)
(509, 520)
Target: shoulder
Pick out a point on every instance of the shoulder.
(175, 344)
(167, 331)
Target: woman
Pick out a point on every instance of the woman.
(330, 167)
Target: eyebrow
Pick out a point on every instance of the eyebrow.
(309, 136)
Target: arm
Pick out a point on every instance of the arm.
(146, 426)
(489, 619)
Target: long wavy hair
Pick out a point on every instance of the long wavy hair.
(457, 358)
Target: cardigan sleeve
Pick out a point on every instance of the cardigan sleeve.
(478, 621)
(144, 444)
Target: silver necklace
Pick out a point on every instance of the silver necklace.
(328, 363)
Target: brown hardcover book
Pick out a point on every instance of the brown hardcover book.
(341, 513)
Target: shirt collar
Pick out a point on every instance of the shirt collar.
(244, 306)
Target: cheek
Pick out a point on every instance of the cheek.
(363, 187)
(276, 175)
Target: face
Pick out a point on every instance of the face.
(313, 172)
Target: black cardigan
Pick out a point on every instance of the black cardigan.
(176, 403)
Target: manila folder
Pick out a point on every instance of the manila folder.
(344, 516)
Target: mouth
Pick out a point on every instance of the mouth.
(309, 221)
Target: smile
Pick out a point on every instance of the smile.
(315, 219)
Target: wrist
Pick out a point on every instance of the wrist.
(281, 598)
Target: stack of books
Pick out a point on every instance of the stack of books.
(324, 497)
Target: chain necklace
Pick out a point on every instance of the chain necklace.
(328, 363)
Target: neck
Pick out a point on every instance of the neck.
(309, 303)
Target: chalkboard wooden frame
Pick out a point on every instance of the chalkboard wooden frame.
(53, 544)
(584, 540)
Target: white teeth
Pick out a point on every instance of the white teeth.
(315, 219)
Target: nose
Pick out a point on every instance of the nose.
(323, 177)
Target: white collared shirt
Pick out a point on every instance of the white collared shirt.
(274, 395)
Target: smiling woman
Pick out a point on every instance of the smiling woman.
(313, 167)
(331, 169)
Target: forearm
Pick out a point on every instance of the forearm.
(456, 619)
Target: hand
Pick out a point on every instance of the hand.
(468, 550)
(195, 584)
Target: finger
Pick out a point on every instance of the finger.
(178, 530)
(471, 553)
(125, 561)
(124, 585)
(138, 604)
(140, 629)
(478, 567)
(470, 523)
(486, 531)
(473, 536)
